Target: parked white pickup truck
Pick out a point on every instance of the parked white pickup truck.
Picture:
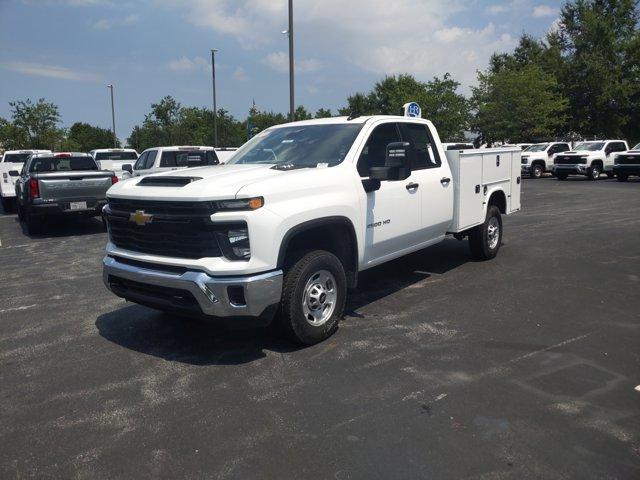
(114, 159)
(627, 163)
(588, 158)
(538, 158)
(12, 161)
(296, 214)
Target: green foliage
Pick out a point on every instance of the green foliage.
(323, 113)
(302, 113)
(439, 98)
(518, 105)
(33, 125)
(84, 137)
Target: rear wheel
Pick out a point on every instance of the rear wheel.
(485, 239)
(610, 175)
(594, 172)
(8, 204)
(313, 297)
(622, 177)
(536, 171)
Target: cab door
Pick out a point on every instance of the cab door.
(434, 180)
(392, 213)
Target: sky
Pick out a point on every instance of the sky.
(68, 51)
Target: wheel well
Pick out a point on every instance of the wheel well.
(598, 162)
(335, 235)
(499, 200)
(539, 162)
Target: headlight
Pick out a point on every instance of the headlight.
(241, 204)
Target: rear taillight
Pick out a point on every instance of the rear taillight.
(114, 180)
(34, 189)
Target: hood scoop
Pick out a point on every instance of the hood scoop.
(167, 181)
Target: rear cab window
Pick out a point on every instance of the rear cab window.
(426, 153)
(115, 156)
(62, 164)
(15, 157)
(182, 158)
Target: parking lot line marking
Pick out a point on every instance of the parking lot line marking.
(551, 347)
(15, 309)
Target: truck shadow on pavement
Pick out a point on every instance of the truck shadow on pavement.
(211, 342)
(66, 227)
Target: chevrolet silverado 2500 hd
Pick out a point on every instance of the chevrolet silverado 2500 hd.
(588, 158)
(11, 163)
(164, 159)
(538, 158)
(54, 184)
(300, 209)
(114, 159)
(627, 163)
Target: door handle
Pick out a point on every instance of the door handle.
(445, 180)
(412, 186)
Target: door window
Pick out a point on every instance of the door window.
(562, 147)
(426, 154)
(139, 165)
(375, 150)
(151, 159)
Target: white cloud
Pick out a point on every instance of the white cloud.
(52, 71)
(240, 74)
(373, 35)
(540, 11)
(108, 24)
(186, 64)
(496, 9)
(279, 61)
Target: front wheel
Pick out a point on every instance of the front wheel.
(485, 239)
(562, 176)
(594, 172)
(537, 171)
(314, 292)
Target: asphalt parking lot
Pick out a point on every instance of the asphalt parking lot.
(522, 367)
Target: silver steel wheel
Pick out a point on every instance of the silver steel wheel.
(493, 232)
(320, 297)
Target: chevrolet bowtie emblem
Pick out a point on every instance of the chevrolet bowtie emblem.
(140, 218)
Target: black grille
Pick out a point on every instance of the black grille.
(177, 229)
(569, 160)
(153, 295)
(524, 160)
(628, 160)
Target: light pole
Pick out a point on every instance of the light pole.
(215, 107)
(113, 118)
(289, 33)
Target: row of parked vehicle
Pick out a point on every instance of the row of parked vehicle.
(42, 184)
(591, 159)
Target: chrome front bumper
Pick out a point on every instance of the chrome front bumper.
(248, 296)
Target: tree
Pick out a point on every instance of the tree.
(84, 137)
(518, 105)
(323, 113)
(12, 137)
(600, 41)
(36, 124)
(439, 99)
(302, 113)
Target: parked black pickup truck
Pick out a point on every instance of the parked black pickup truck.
(53, 184)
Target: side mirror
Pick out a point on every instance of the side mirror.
(127, 168)
(397, 163)
(14, 173)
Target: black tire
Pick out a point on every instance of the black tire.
(593, 173)
(610, 174)
(482, 243)
(295, 289)
(622, 177)
(20, 211)
(34, 224)
(536, 171)
(562, 176)
(8, 204)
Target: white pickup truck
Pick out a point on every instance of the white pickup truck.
(12, 162)
(114, 159)
(627, 163)
(588, 158)
(299, 210)
(538, 158)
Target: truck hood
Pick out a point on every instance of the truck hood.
(215, 182)
(582, 153)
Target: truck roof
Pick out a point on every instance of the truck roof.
(345, 120)
(101, 150)
(61, 154)
(27, 150)
(182, 147)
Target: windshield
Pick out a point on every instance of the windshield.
(116, 156)
(300, 145)
(590, 146)
(538, 147)
(15, 157)
(62, 164)
(637, 147)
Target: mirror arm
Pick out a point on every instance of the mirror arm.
(371, 184)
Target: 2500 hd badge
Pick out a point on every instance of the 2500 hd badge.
(379, 224)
